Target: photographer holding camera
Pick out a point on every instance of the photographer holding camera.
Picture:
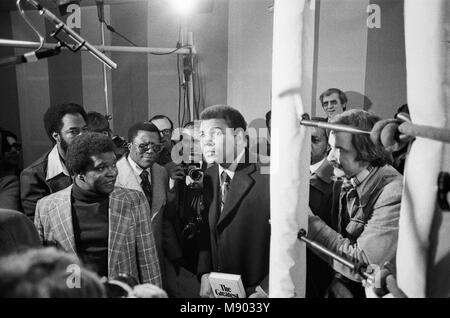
(186, 212)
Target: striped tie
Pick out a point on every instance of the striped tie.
(146, 186)
(225, 188)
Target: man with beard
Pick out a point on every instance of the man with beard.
(108, 227)
(140, 171)
(366, 211)
(49, 174)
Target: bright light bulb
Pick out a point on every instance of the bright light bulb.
(183, 7)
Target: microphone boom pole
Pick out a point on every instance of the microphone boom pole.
(75, 36)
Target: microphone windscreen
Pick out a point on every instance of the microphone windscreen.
(388, 135)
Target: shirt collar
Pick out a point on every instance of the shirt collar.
(356, 181)
(136, 168)
(313, 168)
(232, 168)
(54, 165)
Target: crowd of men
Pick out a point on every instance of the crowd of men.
(167, 211)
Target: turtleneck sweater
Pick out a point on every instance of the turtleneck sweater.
(91, 228)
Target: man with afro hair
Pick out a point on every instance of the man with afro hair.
(108, 227)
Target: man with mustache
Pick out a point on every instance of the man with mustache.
(108, 227)
(236, 193)
(140, 171)
(49, 174)
(366, 208)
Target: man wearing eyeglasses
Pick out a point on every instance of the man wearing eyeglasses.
(165, 127)
(49, 174)
(139, 170)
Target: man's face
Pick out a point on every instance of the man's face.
(166, 131)
(342, 155)
(145, 148)
(332, 105)
(218, 141)
(100, 178)
(73, 125)
(11, 156)
(319, 144)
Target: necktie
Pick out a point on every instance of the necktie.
(224, 187)
(349, 197)
(146, 186)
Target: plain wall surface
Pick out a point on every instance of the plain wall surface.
(250, 57)
(342, 48)
(385, 83)
(367, 63)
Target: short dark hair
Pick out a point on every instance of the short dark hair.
(54, 114)
(145, 126)
(97, 122)
(366, 150)
(232, 117)
(44, 273)
(79, 153)
(162, 117)
(268, 118)
(342, 96)
(321, 119)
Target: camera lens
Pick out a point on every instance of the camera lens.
(190, 230)
(195, 174)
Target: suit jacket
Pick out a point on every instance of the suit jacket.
(159, 180)
(321, 192)
(319, 273)
(34, 187)
(9, 193)
(16, 232)
(373, 223)
(239, 236)
(131, 245)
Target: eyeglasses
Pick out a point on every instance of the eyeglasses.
(166, 132)
(150, 146)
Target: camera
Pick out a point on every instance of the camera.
(192, 229)
(194, 171)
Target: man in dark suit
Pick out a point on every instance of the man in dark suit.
(48, 174)
(237, 198)
(319, 274)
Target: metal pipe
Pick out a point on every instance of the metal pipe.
(190, 41)
(358, 268)
(335, 127)
(106, 48)
(105, 77)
